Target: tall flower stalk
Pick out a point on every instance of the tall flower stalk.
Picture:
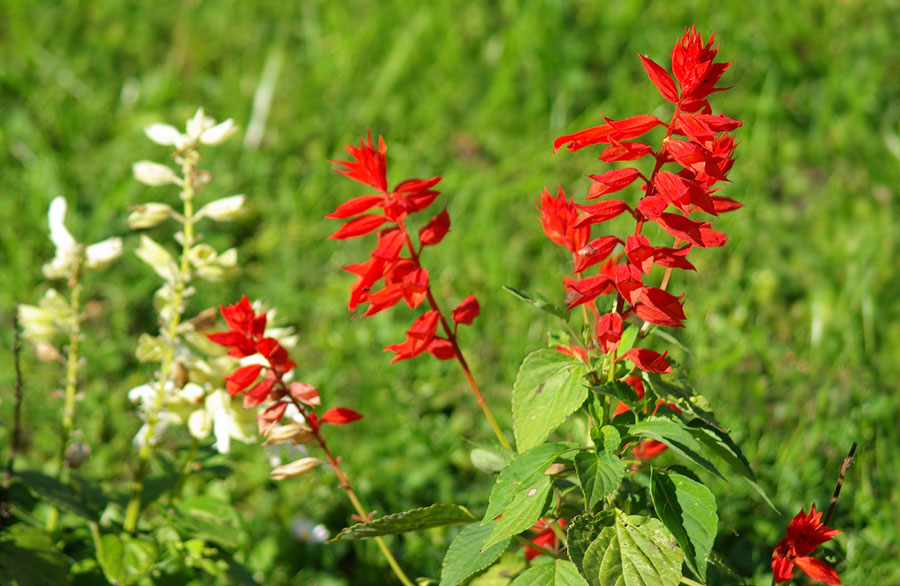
(403, 277)
(56, 315)
(194, 259)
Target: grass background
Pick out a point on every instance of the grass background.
(790, 326)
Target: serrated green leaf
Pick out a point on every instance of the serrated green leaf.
(525, 472)
(125, 559)
(465, 556)
(525, 509)
(634, 551)
(502, 572)
(583, 530)
(539, 301)
(28, 557)
(674, 435)
(618, 390)
(210, 518)
(721, 444)
(412, 520)
(557, 573)
(688, 509)
(549, 387)
(600, 472)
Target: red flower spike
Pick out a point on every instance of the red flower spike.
(240, 318)
(648, 360)
(441, 349)
(661, 79)
(804, 534)
(612, 181)
(660, 308)
(609, 332)
(340, 416)
(242, 378)
(435, 230)
(558, 219)
(359, 227)
(418, 337)
(466, 312)
(305, 393)
(369, 165)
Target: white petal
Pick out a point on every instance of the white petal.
(56, 217)
(152, 173)
(163, 134)
(199, 424)
(295, 468)
(199, 124)
(222, 425)
(101, 254)
(218, 133)
(148, 215)
(225, 209)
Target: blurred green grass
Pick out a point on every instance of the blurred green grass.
(790, 326)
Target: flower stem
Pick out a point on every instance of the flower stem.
(351, 494)
(457, 351)
(70, 392)
(165, 373)
(525, 541)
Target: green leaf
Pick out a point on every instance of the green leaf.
(538, 301)
(490, 461)
(80, 498)
(629, 337)
(619, 390)
(412, 520)
(600, 472)
(688, 509)
(550, 386)
(28, 557)
(582, 531)
(634, 551)
(209, 518)
(520, 493)
(465, 556)
(720, 443)
(125, 559)
(557, 573)
(501, 573)
(674, 435)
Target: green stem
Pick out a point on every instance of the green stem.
(689, 582)
(71, 391)
(165, 373)
(185, 469)
(543, 550)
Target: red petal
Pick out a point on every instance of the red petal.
(648, 360)
(578, 292)
(441, 349)
(613, 130)
(359, 227)
(340, 416)
(629, 283)
(596, 251)
(259, 393)
(272, 351)
(383, 299)
(609, 332)
(661, 79)
(271, 417)
(466, 311)
(390, 243)
(306, 393)
(624, 151)
(435, 230)
(651, 206)
(817, 570)
(639, 252)
(682, 228)
(660, 308)
(725, 204)
(599, 212)
(612, 181)
(355, 206)
(242, 378)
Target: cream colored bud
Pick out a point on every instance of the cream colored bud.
(225, 209)
(218, 133)
(295, 468)
(102, 254)
(163, 134)
(158, 258)
(152, 173)
(199, 124)
(148, 215)
(296, 433)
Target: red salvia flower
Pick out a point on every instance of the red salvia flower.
(545, 537)
(804, 534)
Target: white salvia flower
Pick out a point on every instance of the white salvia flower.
(224, 210)
(101, 254)
(41, 323)
(66, 257)
(199, 124)
(148, 215)
(218, 133)
(229, 422)
(164, 134)
(151, 173)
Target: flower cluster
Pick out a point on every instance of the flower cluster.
(699, 146)
(804, 534)
(403, 277)
(246, 339)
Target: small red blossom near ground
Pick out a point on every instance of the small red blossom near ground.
(804, 534)
(545, 538)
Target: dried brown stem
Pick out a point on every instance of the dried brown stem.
(840, 483)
